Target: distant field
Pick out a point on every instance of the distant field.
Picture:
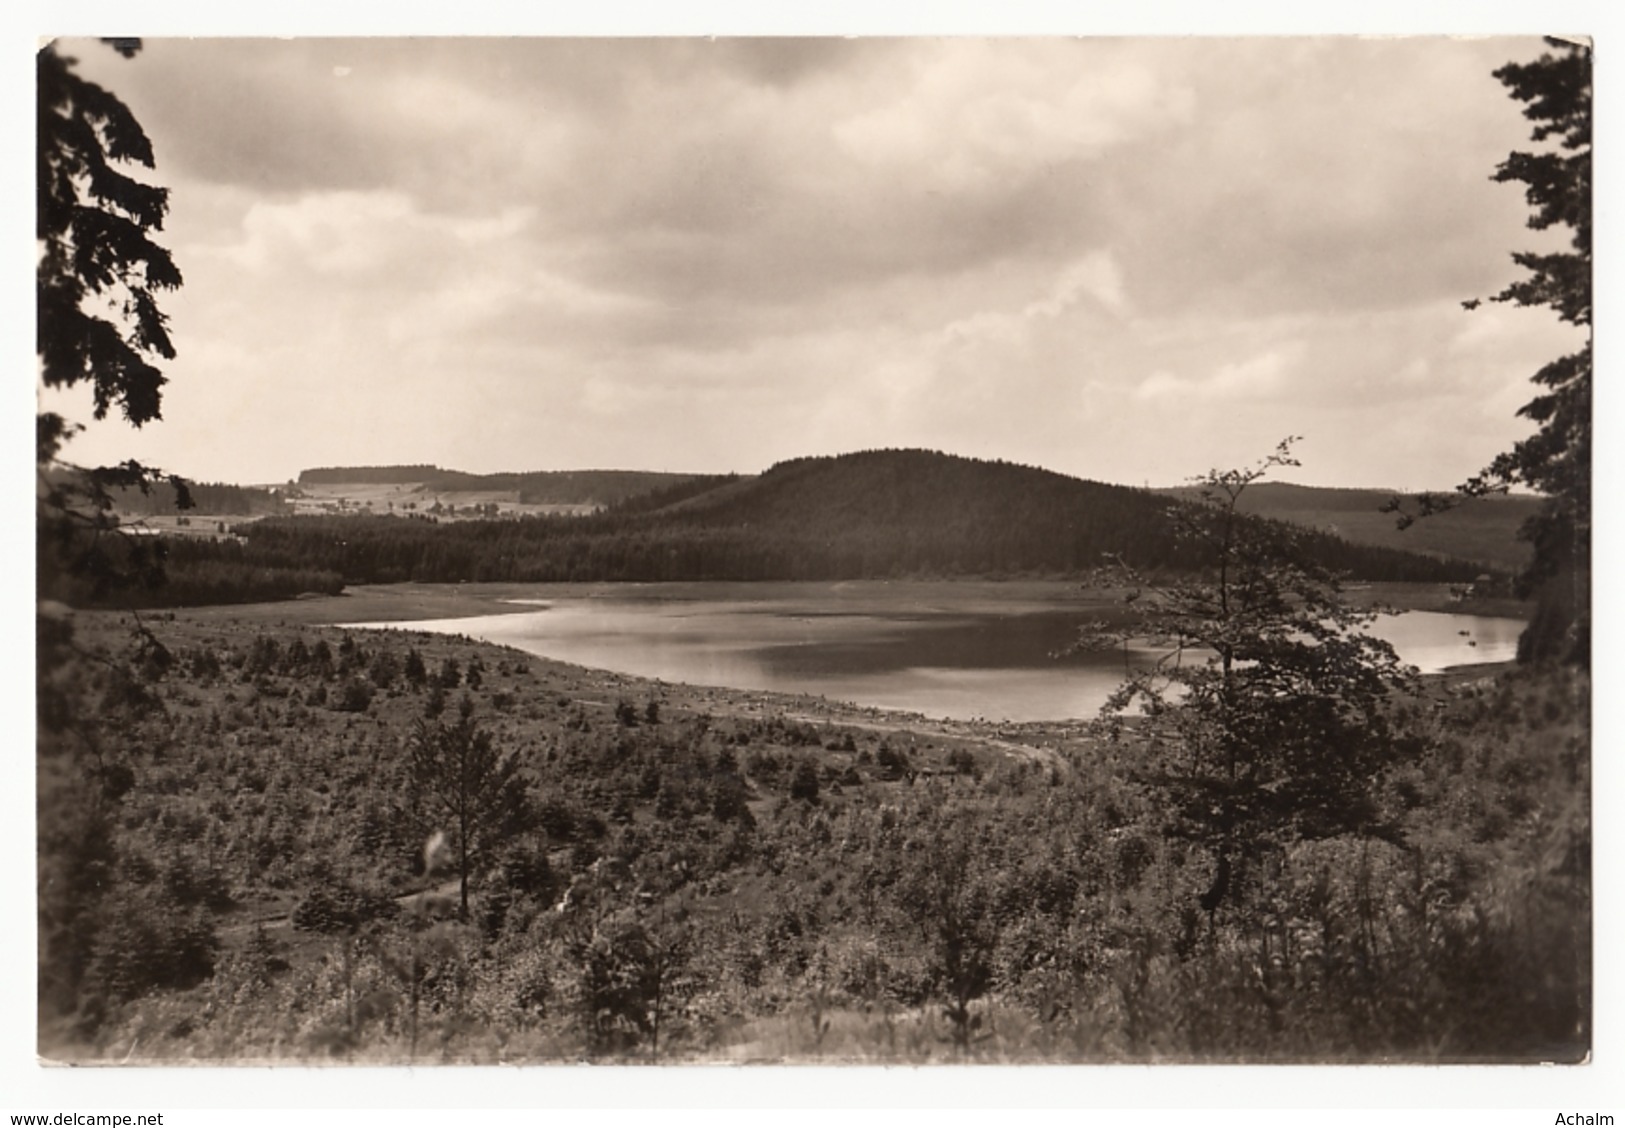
(1484, 529)
(401, 498)
(421, 497)
(190, 524)
(548, 488)
(1480, 531)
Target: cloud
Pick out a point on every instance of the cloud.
(1257, 376)
(1324, 174)
(973, 113)
(1095, 278)
(1123, 258)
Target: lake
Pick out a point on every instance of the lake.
(943, 650)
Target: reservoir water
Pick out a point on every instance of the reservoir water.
(958, 655)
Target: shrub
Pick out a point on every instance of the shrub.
(729, 797)
(804, 782)
(631, 976)
(145, 944)
(385, 668)
(355, 697)
(188, 884)
(338, 907)
(893, 764)
(435, 703)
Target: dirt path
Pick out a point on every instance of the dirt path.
(951, 730)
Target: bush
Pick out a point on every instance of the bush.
(892, 763)
(729, 799)
(189, 884)
(355, 697)
(340, 908)
(414, 669)
(619, 980)
(804, 782)
(435, 703)
(385, 668)
(145, 944)
(630, 979)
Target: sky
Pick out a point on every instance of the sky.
(1128, 259)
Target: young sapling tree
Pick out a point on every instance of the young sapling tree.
(1263, 712)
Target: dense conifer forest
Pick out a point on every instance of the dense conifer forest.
(214, 498)
(79, 570)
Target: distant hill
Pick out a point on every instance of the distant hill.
(368, 475)
(872, 514)
(537, 487)
(921, 510)
(1483, 530)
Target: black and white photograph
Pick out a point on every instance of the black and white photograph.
(842, 551)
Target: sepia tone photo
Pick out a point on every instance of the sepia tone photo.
(816, 551)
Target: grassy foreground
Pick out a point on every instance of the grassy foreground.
(232, 867)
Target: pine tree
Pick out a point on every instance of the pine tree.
(93, 225)
(460, 777)
(98, 278)
(1556, 460)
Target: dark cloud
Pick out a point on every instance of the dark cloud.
(252, 113)
(781, 61)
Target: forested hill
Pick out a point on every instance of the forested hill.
(368, 475)
(876, 514)
(537, 487)
(919, 510)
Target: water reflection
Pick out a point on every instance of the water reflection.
(943, 661)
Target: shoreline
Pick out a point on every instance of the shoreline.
(416, 602)
(402, 606)
(1043, 741)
